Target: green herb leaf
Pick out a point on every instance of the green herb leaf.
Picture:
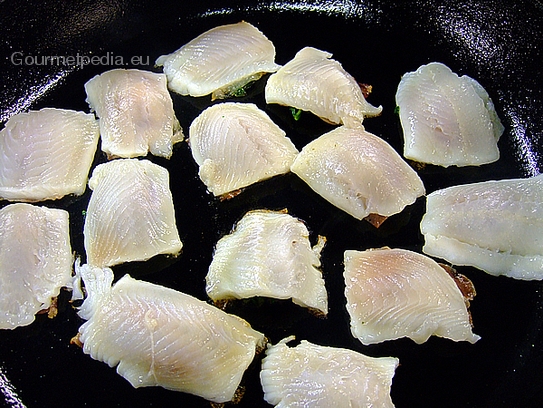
(240, 92)
(296, 113)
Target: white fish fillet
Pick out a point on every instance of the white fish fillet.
(314, 376)
(236, 145)
(314, 82)
(135, 111)
(358, 172)
(496, 226)
(268, 254)
(35, 261)
(46, 154)
(394, 293)
(446, 119)
(130, 215)
(157, 336)
(219, 61)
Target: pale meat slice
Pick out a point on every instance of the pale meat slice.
(395, 293)
(358, 172)
(313, 376)
(495, 226)
(268, 254)
(46, 154)
(135, 112)
(35, 261)
(220, 61)
(447, 119)
(157, 336)
(312, 81)
(130, 215)
(236, 145)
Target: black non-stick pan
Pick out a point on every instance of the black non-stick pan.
(499, 43)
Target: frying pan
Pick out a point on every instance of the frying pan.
(499, 43)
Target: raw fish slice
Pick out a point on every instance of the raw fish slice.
(394, 293)
(46, 154)
(130, 216)
(35, 261)
(313, 376)
(314, 82)
(136, 113)
(358, 172)
(268, 254)
(157, 336)
(496, 226)
(219, 61)
(236, 145)
(446, 119)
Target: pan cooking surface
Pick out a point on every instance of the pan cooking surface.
(498, 44)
